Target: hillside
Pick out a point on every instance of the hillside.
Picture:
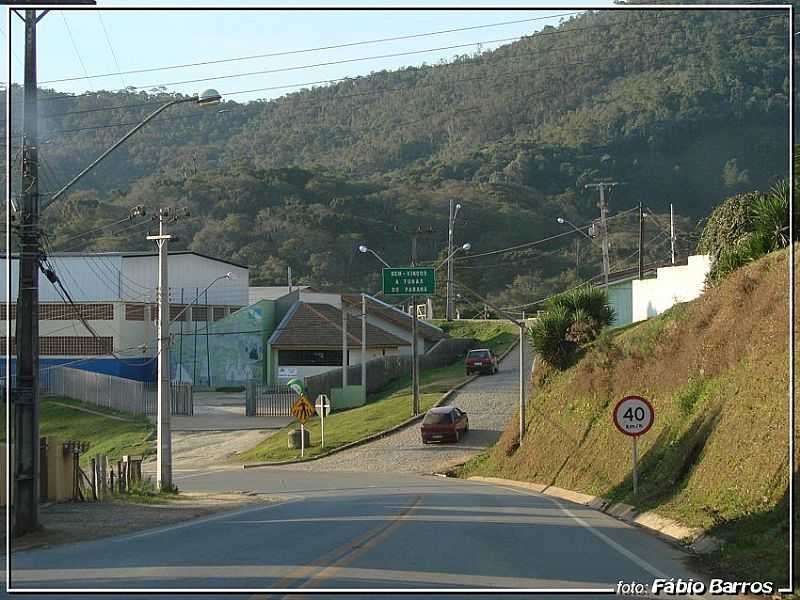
(683, 106)
(716, 372)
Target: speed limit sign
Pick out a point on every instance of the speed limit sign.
(633, 415)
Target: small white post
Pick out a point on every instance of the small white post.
(322, 428)
(302, 439)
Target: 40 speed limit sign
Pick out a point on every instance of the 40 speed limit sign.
(633, 415)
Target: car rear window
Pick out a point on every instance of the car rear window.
(438, 419)
(478, 354)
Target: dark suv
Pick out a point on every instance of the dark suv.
(481, 361)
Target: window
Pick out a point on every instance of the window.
(310, 358)
(219, 313)
(134, 312)
(69, 345)
(199, 312)
(479, 354)
(438, 419)
(174, 311)
(3, 312)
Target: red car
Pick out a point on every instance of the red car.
(480, 361)
(444, 423)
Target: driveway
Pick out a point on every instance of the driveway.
(491, 401)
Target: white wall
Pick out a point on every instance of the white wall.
(320, 298)
(188, 273)
(93, 278)
(672, 285)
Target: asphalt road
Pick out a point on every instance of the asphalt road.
(364, 531)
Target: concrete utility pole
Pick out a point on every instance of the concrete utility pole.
(603, 221)
(641, 242)
(414, 349)
(364, 347)
(164, 393)
(344, 346)
(26, 392)
(451, 224)
(672, 233)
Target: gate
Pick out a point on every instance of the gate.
(268, 400)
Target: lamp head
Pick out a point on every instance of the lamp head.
(228, 275)
(363, 249)
(466, 246)
(209, 97)
(560, 220)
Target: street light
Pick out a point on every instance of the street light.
(363, 249)
(464, 247)
(448, 308)
(209, 97)
(562, 221)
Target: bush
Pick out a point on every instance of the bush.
(570, 320)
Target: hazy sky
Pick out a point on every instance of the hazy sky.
(74, 43)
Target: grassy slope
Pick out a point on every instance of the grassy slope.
(389, 407)
(106, 435)
(498, 336)
(716, 371)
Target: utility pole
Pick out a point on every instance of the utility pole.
(603, 221)
(344, 346)
(641, 242)
(164, 434)
(450, 225)
(414, 348)
(364, 348)
(672, 233)
(26, 392)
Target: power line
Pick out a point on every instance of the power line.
(306, 50)
(533, 37)
(537, 242)
(111, 47)
(75, 46)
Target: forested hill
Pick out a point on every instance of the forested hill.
(683, 106)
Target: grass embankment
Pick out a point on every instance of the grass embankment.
(387, 408)
(716, 371)
(498, 336)
(110, 432)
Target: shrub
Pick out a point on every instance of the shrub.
(570, 320)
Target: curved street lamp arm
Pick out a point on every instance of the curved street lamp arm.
(96, 161)
(197, 297)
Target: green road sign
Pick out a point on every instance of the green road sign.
(409, 281)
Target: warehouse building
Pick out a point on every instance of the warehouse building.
(115, 295)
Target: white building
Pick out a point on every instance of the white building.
(115, 294)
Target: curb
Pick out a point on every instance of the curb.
(376, 436)
(694, 539)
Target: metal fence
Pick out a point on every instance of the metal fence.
(268, 400)
(137, 397)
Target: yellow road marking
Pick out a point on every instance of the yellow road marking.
(326, 565)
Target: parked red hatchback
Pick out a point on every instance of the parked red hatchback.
(480, 361)
(445, 423)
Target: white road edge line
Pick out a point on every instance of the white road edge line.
(600, 535)
(200, 521)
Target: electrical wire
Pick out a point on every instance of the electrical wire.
(111, 48)
(541, 241)
(305, 50)
(534, 36)
(75, 47)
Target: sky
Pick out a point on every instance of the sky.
(95, 45)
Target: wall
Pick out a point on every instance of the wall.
(227, 352)
(651, 297)
(620, 298)
(88, 278)
(382, 370)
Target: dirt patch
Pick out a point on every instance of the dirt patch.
(71, 522)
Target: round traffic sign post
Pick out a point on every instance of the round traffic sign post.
(633, 416)
(323, 406)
